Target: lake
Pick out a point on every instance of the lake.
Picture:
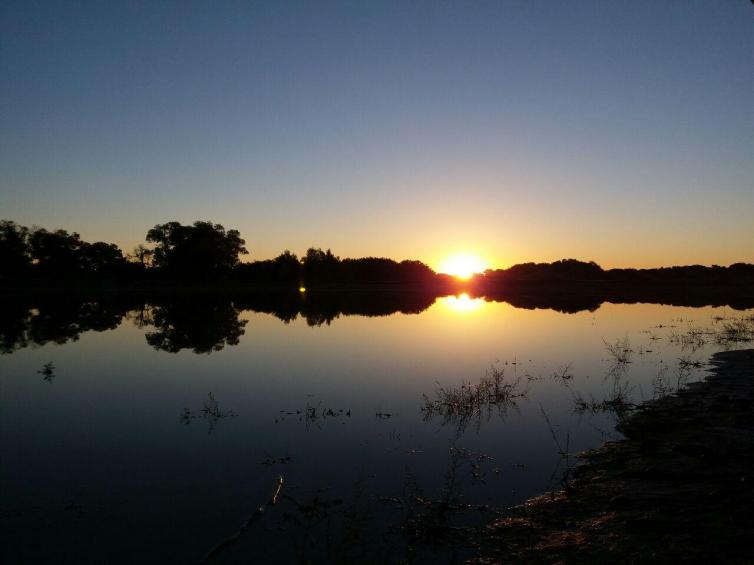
(151, 430)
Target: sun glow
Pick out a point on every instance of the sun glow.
(463, 265)
(462, 303)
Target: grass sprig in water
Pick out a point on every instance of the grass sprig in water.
(736, 330)
(210, 412)
(620, 351)
(460, 405)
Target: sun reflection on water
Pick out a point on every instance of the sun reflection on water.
(462, 303)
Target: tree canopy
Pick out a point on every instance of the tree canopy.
(198, 250)
(14, 248)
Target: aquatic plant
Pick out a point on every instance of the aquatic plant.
(473, 401)
(725, 332)
(314, 415)
(692, 339)
(737, 330)
(563, 373)
(687, 362)
(564, 456)
(620, 351)
(210, 411)
(617, 402)
(47, 371)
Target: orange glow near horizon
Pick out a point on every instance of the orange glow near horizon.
(462, 303)
(463, 265)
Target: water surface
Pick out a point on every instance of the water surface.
(162, 426)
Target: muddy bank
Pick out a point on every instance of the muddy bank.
(679, 488)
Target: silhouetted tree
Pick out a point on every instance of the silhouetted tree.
(320, 266)
(384, 271)
(563, 270)
(200, 250)
(283, 270)
(287, 267)
(55, 252)
(100, 257)
(412, 270)
(15, 257)
(142, 255)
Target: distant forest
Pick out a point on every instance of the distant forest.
(205, 253)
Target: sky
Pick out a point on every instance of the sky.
(619, 132)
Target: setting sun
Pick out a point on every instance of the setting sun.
(463, 265)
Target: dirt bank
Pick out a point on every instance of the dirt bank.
(678, 489)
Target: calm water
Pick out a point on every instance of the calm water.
(121, 455)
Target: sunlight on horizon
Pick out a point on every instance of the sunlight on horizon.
(463, 265)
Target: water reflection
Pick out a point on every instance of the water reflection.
(200, 323)
(205, 323)
(203, 326)
(463, 303)
(190, 445)
(26, 323)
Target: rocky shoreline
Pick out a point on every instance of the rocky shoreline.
(678, 489)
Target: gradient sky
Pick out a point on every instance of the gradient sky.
(621, 132)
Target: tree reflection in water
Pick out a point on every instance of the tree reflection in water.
(201, 326)
(206, 322)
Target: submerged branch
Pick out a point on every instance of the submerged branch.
(246, 525)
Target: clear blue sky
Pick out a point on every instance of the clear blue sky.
(616, 131)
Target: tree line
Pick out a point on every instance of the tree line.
(572, 270)
(207, 252)
(202, 251)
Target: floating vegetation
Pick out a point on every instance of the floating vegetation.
(314, 415)
(692, 339)
(476, 461)
(564, 454)
(48, 372)
(736, 330)
(439, 520)
(563, 449)
(686, 362)
(661, 384)
(616, 405)
(269, 461)
(617, 402)
(530, 377)
(725, 332)
(210, 411)
(563, 373)
(469, 402)
(308, 522)
(665, 384)
(620, 351)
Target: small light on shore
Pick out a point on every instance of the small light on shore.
(302, 289)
